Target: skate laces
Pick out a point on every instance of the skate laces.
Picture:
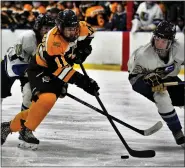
(28, 134)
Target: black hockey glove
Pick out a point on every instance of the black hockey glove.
(87, 84)
(90, 86)
(155, 81)
(64, 90)
(82, 54)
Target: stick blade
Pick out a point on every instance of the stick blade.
(153, 129)
(142, 154)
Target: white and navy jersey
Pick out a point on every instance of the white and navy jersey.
(19, 55)
(148, 16)
(145, 60)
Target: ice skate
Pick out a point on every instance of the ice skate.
(27, 139)
(179, 138)
(5, 131)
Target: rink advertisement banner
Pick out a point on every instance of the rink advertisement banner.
(111, 50)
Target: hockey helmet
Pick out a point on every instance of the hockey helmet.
(43, 20)
(68, 25)
(165, 32)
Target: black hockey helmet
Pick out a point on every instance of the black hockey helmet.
(165, 30)
(67, 19)
(43, 20)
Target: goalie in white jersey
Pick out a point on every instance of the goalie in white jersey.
(18, 57)
(155, 63)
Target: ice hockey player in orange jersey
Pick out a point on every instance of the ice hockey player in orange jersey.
(50, 70)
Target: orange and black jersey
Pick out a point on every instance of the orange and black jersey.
(51, 52)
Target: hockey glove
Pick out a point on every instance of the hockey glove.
(82, 54)
(87, 84)
(90, 86)
(152, 79)
(155, 81)
(159, 88)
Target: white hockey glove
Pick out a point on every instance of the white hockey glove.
(155, 81)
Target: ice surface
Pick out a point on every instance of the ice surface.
(74, 135)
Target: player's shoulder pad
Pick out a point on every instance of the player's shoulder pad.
(26, 39)
(178, 50)
(53, 42)
(28, 35)
(176, 45)
(143, 52)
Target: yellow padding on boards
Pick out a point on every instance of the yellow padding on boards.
(182, 71)
(107, 67)
(100, 67)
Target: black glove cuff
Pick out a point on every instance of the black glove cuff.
(78, 79)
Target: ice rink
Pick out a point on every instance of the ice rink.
(75, 135)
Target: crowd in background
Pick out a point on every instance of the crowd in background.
(102, 15)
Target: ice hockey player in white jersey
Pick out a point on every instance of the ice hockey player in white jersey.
(155, 63)
(147, 16)
(17, 58)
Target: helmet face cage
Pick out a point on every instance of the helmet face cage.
(164, 30)
(68, 25)
(162, 52)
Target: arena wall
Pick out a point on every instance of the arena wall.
(111, 50)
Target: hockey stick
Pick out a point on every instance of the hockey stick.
(146, 132)
(174, 83)
(134, 153)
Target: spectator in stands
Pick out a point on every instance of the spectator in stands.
(163, 9)
(22, 14)
(95, 15)
(60, 5)
(175, 10)
(148, 15)
(7, 17)
(38, 8)
(51, 5)
(28, 9)
(180, 27)
(118, 20)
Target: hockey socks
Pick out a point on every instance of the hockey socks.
(172, 120)
(39, 110)
(35, 114)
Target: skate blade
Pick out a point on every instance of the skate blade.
(25, 145)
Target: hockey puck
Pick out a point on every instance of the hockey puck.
(124, 157)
